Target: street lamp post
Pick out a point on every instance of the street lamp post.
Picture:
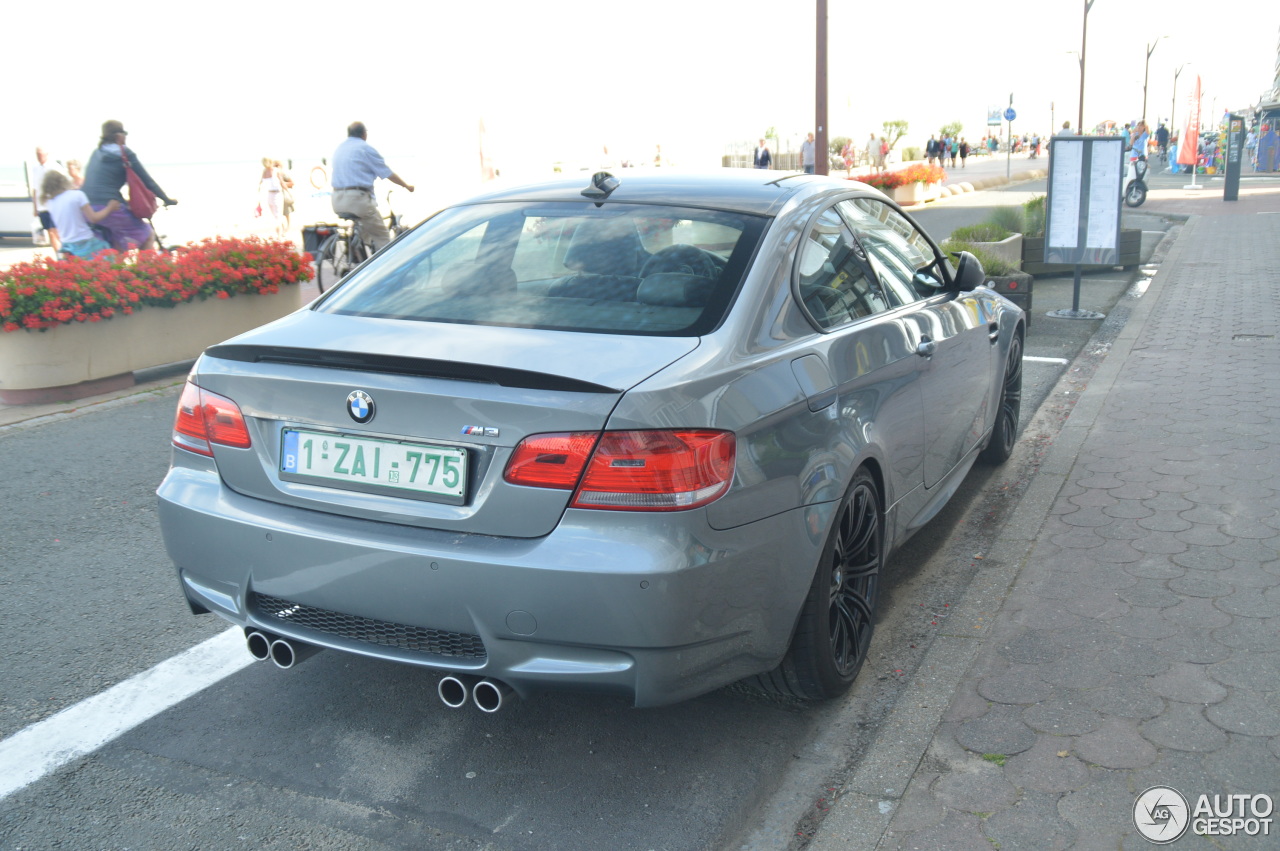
(1084, 38)
(1146, 75)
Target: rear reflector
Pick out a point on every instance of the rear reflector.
(660, 470)
(204, 418)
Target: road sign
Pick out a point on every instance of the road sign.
(1009, 114)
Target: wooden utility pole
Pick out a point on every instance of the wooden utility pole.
(821, 156)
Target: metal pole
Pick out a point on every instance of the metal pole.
(821, 156)
(1084, 39)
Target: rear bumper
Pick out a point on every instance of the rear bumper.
(658, 607)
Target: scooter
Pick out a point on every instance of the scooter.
(1135, 191)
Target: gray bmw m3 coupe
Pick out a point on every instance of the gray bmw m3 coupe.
(646, 434)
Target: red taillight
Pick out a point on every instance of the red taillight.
(661, 470)
(204, 418)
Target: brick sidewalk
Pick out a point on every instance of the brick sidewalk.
(1140, 642)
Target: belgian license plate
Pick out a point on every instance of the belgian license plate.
(420, 468)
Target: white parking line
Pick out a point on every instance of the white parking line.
(1034, 359)
(34, 751)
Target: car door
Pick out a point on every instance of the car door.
(949, 330)
(867, 348)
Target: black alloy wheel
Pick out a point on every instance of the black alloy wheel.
(1135, 195)
(1005, 432)
(833, 632)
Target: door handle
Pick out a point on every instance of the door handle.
(993, 332)
(926, 347)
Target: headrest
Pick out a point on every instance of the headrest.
(675, 289)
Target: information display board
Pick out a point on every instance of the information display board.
(1082, 210)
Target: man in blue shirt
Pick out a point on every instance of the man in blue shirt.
(356, 164)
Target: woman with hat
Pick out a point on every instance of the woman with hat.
(103, 179)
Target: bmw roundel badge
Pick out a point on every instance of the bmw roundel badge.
(360, 406)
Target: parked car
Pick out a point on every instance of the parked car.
(646, 436)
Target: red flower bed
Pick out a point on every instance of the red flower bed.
(917, 173)
(52, 292)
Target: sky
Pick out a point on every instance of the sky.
(561, 80)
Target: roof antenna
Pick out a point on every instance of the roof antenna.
(602, 185)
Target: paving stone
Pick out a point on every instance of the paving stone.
(1032, 822)
(1188, 683)
(1246, 712)
(1089, 516)
(1122, 530)
(1248, 670)
(1110, 576)
(1154, 567)
(1203, 558)
(1203, 536)
(1077, 671)
(1062, 716)
(1019, 685)
(1249, 576)
(1077, 539)
(1247, 527)
(1000, 731)
(1247, 603)
(1116, 744)
(1197, 613)
(1195, 645)
(1085, 638)
(975, 786)
(918, 809)
(958, 832)
(1116, 552)
(1249, 550)
(1136, 657)
(966, 703)
(1048, 615)
(1101, 807)
(1158, 543)
(1253, 634)
(1143, 623)
(1170, 501)
(1164, 521)
(1151, 594)
(1096, 603)
(1241, 765)
(1033, 647)
(1127, 509)
(1184, 727)
(1198, 583)
(1183, 771)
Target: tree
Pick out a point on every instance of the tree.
(893, 131)
(953, 129)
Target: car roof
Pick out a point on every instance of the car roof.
(750, 191)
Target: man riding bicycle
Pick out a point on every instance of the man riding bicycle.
(1162, 139)
(356, 164)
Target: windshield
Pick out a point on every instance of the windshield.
(615, 268)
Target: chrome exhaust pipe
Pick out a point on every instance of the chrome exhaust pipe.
(286, 654)
(489, 695)
(259, 644)
(454, 690)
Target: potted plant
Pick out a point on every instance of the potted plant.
(1003, 275)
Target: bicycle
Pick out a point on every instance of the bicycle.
(346, 248)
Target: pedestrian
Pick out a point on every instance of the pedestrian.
(762, 158)
(848, 155)
(1250, 145)
(270, 196)
(75, 173)
(72, 213)
(992, 144)
(38, 169)
(807, 159)
(964, 152)
(882, 154)
(953, 150)
(286, 194)
(931, 149)
(873, 151)
(1162, 142)
(356, 165)
(103, 179)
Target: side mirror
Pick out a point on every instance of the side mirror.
(969, 273)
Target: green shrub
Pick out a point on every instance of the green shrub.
(1033, 215)
(991, 263)
(984, 232)
(1009, 218)
(910, 154)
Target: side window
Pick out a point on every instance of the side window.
(834, 282)
(902, 255)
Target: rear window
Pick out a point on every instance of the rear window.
(615, 268)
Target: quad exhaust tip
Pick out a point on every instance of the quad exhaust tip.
(455, 689)
(259, 644)
(490, 695)
(286, 654)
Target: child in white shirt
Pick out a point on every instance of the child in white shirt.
(72, 214)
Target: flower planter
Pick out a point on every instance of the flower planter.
(1033, 255)
(908, 195)
(932, 191)
(1008, 249)
(74, 361)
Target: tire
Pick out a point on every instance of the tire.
(833, 633)
(1004, 434)
(331, 261)
(1135, 194)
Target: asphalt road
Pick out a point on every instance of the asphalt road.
(344, 752)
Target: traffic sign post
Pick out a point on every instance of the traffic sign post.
(1009, 115)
